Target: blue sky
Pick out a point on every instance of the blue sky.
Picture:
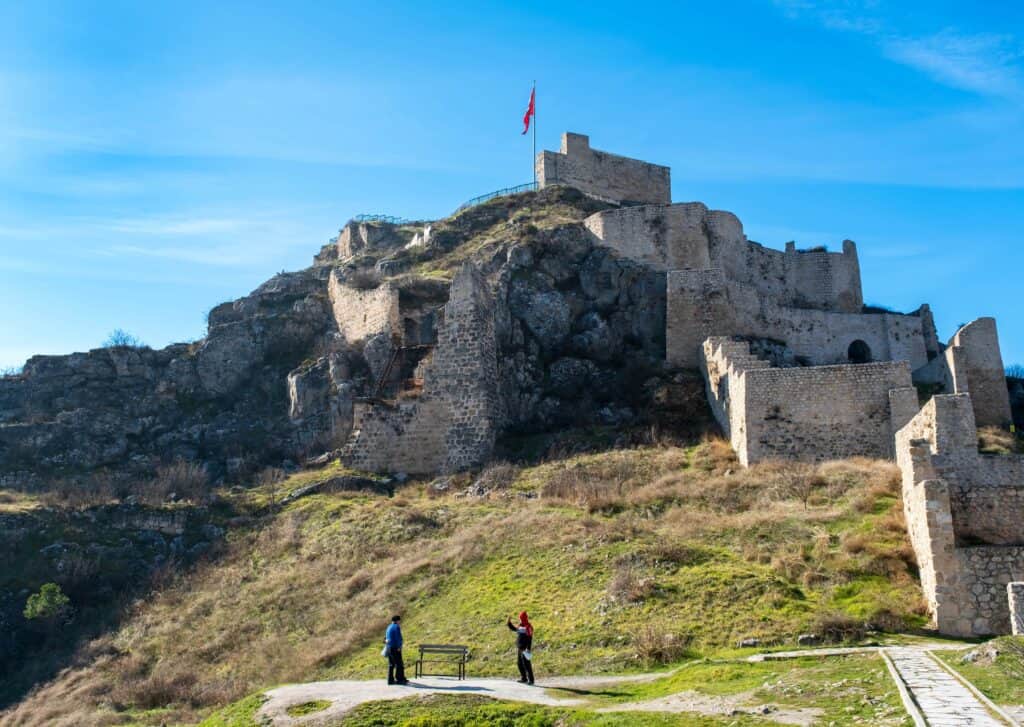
(159, 158)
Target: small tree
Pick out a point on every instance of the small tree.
(121, 337)
(1015, 371)
(50, 605)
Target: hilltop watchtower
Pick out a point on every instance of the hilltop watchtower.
(603, 175)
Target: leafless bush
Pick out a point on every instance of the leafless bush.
(156, 690)
(77, 494)
(119, 338)
(657, 643)
(498, 476)
(358, 583)
(886, 620)
(1015, 371)
(573, 484)
(838, 627)
(182, 479)
(714, 455)
(800, 484)
(364, 279)
(629, 586)
(270, 479)
(993, 440)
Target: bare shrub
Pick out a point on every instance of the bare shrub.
(80, 493)
(629, 586)
(269, 479)
(182, 479)
(657, 643)
(156, 690)
(585, 488)
(854, 543)
(358, 583)
(994, 440)
(680, 554)
(882, 478)
(364, 279)
(886, 620)
(498, 476)
(839, 627)
(714, 454)
(791, 481)
(119, 338)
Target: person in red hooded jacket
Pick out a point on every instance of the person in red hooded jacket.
(524, 645)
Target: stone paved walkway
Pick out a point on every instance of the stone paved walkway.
(944, 701)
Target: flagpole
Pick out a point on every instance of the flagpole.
(533, 162)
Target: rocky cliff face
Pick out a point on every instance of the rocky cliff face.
(222, 400)
(580, 334)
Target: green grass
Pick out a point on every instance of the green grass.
(852, 689)
(1001, 679)
(474, 711)
(301, 710)
(240, 714)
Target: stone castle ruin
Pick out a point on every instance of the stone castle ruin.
(417, 347)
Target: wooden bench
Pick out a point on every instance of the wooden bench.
(452, 654)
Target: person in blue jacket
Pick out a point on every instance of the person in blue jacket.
(393, 645)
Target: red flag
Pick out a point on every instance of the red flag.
(529, 111)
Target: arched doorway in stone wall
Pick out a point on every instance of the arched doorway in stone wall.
(859, 352)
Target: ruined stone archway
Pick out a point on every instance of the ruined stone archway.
(859, 352)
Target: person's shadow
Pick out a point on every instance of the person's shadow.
(452, 688)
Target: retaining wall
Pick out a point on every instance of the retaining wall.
(965, 517)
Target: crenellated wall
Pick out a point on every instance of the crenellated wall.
(972, 363)
(598, 173)
(704, 303)
(690, 236)
(965, 517)
(811, 413)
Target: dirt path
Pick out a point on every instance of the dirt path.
(724, 706)
(344, 695)
(941, 698)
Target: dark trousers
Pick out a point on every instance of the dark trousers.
(396, 667)
(525, 666)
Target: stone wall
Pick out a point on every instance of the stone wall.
(986, 377)
(972, 364)
(965, 517)
(1015, 596)
(669, 237)
(453, 422)
(703, 303)
(361, 314)
(690, 236)
(811, 414)
(603, 175)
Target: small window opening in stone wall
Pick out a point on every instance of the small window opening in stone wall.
(859, 352)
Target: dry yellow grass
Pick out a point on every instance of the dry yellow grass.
(305, 593)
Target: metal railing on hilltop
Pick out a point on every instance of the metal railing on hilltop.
(528, 187)
(392, 220)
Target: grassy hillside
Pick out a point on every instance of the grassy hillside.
(625, 559)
